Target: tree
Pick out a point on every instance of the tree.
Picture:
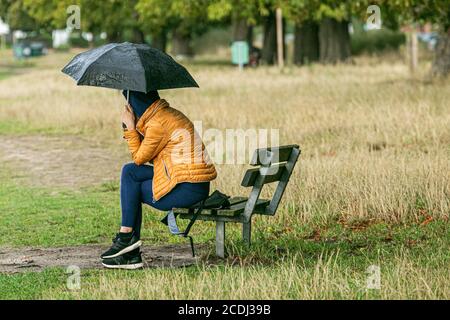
(14, 13)
(334, 36)
(321, 29)
(183, 18)
(436, 12)
(242, 14)
(267, 10)
(155, 19)
(113, 16)
(306, 32)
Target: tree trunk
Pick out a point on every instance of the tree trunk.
(242, 31)
(334, 41)
(250, 37)
(181, 44)
(138, 36)
(280, 38)
(114, 36)
(306, 43)
(159, 41)
(441, 62)
(269, 50)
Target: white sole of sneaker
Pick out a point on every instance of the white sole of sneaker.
(125, 250)
(125, 266)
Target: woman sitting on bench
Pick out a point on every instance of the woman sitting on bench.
(178, 178)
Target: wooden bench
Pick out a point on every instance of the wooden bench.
(270, 165)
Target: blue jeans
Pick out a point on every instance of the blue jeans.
(136, 186)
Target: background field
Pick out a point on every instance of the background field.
(372, 186)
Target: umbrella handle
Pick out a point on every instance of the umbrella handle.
(128, 102)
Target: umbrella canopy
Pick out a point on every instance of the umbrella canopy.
(128, 66)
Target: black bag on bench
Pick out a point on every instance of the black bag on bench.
(217, 200)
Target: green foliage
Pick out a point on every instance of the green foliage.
(115, 15)
(252, 10)
(154, 14)
(187, 16)
(112, 16)
(376, 41)
(16, 15)
(300, 10)
(420, 11)
(221, 9)
(48, 13)
(76, 40)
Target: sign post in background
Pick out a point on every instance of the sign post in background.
(240, 53)
(4, 30)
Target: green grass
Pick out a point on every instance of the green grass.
(4, 74)
(30, 285)
(334, 254)
(9, 66)
(17, 128)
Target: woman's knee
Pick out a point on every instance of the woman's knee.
(128, 169)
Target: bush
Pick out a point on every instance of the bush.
(62, 48)
(76, 40)
(375, 41)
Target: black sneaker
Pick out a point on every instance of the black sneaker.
(122, 243)
(131, 260)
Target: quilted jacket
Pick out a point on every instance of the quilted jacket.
(166, 137)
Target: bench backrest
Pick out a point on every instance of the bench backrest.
(271, 165)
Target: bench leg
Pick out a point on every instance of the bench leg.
(247, 233)
(220, 239)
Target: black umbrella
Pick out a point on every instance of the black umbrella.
(128, 66)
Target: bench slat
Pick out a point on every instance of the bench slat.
(239, 207)
(233, 212)
(233, 201)
(213, 217)
(270, 174)
(268, 156)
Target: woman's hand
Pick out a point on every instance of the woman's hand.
(128, 118)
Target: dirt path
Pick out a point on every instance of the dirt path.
(14, 260)
(65, 161)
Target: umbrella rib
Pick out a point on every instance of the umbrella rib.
(87, 68)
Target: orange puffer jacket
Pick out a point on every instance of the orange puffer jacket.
(166, 137)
